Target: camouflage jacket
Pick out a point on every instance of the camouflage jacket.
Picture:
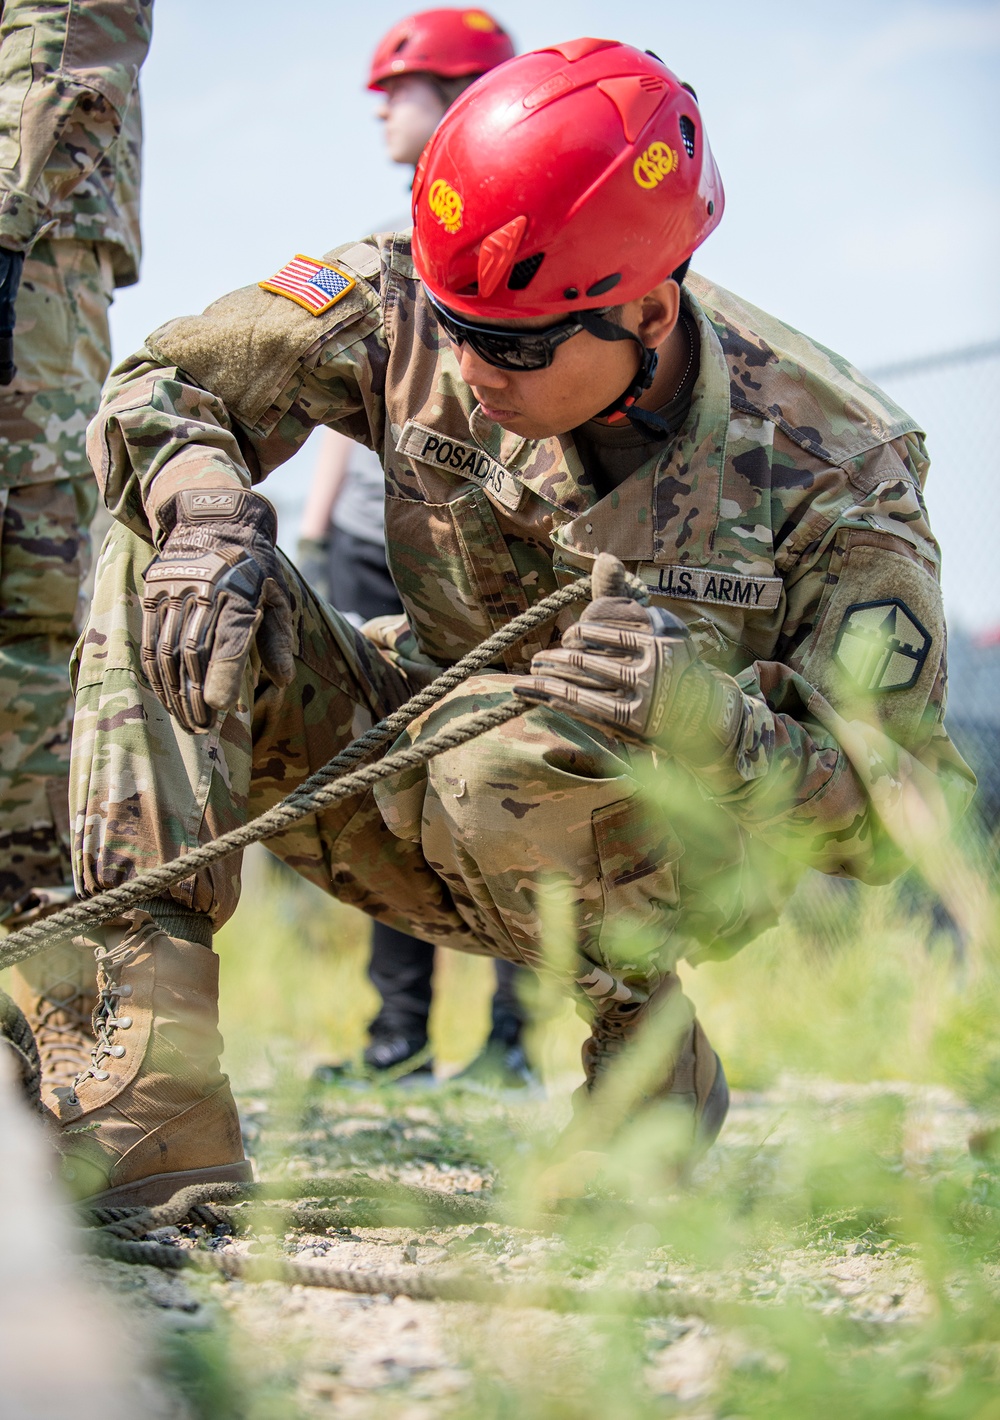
(70, 123)
(784, 523)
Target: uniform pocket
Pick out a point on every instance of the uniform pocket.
(15, 81)
(455, 574)
(637, 856)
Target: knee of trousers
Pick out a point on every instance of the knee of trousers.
(534, 781)
(546, 800)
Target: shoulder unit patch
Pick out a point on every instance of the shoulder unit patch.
(881, 646)
(313, 285)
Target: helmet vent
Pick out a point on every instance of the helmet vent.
(687, 134)
(605, 284)
(523, 271)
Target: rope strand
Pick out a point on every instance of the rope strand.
(321, 790)
(420, 1285)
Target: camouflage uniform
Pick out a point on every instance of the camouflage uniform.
(70, 137)
(789, 503)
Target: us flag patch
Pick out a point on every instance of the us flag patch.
(314, 285)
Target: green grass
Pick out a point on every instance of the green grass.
(851, 986)
(855, 988)
(844, 1012)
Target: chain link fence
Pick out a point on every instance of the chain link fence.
(954, 394)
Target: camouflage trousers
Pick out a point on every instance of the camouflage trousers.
(464, 851)
(47, 502)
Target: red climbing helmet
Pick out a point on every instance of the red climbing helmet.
(446, 43)
(575, 177)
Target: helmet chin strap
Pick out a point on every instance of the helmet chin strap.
(625, 405)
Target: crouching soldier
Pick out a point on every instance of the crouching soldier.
(544, 383)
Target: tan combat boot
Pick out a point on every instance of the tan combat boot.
(57, 992)
(687, 1077)
(690, 1074)
(153, 1112)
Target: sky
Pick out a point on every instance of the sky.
(858, 144)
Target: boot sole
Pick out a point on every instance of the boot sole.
(160, 1188)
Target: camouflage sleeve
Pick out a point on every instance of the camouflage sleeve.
(844, 762)
(67, 76)
(227, 396)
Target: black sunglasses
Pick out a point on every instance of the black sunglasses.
(510, 349)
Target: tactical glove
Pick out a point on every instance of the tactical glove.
(215, 585)
(633, 671)
(11, 263)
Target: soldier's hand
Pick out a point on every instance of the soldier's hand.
(11, 263)
(215, 586)
(633, 670)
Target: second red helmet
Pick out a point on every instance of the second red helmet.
(447, 43)
(574, 177)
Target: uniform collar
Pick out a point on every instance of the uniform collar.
(669, 508)
(551, 468)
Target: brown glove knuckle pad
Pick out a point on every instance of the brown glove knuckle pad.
(204, 598)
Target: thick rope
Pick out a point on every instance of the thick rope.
(420, 1285)
(16, 1037)
(321, 790)
(378, 1198)
(120, 1235)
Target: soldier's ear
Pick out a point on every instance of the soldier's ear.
(661, 309)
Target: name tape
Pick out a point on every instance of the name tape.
(432, 447)
(709, 584)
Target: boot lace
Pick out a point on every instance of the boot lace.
(106, 1018)
(62, 1022)
(610, 1032)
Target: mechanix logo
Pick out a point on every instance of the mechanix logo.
(652, 166)
(209, 505)
(467, 460)
(167, 571)
(445, 204)
(881, 646)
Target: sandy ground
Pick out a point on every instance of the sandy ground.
(330, 1353)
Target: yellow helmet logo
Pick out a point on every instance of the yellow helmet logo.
(651, 167)
(446, 205)
(477, 20)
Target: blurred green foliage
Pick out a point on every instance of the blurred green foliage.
(857, 1015)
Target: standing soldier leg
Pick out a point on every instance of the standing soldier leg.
(401, 967)
(503, 1062)
(47, 498)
